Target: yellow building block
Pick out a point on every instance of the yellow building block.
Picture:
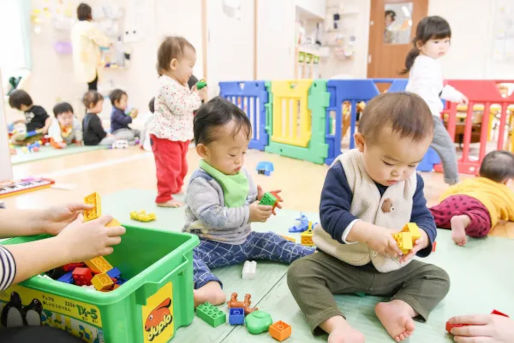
(142, 216)
(102, 281)
(404, 241)
(98, 264)
(289, 238)
(414, 231)
(96, 211)
(113, 222)
(306, 236)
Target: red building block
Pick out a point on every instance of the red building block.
(82, 276)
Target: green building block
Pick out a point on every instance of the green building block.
(200, 84)
(258, 322)
(211, 314)
(268, 199)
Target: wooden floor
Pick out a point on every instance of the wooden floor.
(107, 171)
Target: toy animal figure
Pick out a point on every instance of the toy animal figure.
(233, 302)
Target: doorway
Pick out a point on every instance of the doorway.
(392, 28)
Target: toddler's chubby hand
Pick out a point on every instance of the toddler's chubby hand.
(259, 213)
(381, 240)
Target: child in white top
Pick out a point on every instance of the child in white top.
(172, 126)
(426, 79)
(65, 129)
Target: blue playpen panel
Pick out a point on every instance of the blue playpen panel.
(251, 97)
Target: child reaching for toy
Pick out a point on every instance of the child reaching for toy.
(65, 129)
(37, 121)
(172, 126)
(369, 194)
(119, 120)
(222, 201)
(474, 206)
(431, 42)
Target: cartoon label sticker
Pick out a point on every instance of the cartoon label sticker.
(157, 316)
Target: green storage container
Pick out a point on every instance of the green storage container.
(156, 300)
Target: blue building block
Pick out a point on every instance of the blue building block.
(265, 167)
(428, 161)
(302, 224)
(68, 277)
(114, 273)
(236, 316)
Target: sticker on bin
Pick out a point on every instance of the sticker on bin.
(157, 316)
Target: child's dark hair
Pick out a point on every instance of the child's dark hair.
(19, 97)
(498, 166)
(406, 113)
(433, 27)
(170, 48)
(391, 13)
(151, 105)
(62, 107)
(116, 95)
(218, 112)
(84, 12)
(91, 98)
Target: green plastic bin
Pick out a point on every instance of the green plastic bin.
(156, 300)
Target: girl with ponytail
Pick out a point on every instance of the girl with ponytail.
(431, 42)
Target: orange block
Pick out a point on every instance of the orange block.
(280, 330)
(98, 265)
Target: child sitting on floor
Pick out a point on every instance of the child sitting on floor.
(65, 129)
(119, 120)
(37, 120)
(475, 205)
(369, 194)
(222, 200)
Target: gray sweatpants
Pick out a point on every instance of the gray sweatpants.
(445, 148)
(315, 278)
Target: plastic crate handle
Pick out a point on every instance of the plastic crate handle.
(148, 288)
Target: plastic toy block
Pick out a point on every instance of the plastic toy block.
(499, 313)
(434, 246)
(414, 231)
(114, 273)
(265, 168)
(82, 276)
(70, 266)
(236, 316)
(449, 326)
(211, 314)
(268, 199)
(120, 281)
(99, 265)
(404, 241)
(113, 222)
(233, 302)
(302, 224)
(96, 211)
(289, 238)
(258, 322)
(102, 282)
(249, 270)
(306, 237)
(280, 330)
(142, 216)
(68, 277)
(201, 84)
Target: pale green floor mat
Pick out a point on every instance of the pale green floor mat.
(481, 276)
(49, 152)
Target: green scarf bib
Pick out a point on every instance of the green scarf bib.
(235, 187)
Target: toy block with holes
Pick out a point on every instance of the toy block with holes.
(99, 264)
(280, 330)
(407, 237)
(82, 276)
(306, 236)
(236, 316)
(211, 314)
(249, 270)
(271, 199)
(414, 231)
(96, 211)
(102, 282)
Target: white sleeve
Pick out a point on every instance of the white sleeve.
(451, 94)
(7, 268)
(346, 232)
(54, 131)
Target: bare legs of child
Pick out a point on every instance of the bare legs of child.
(170, 203)
(395, 315)
(210, 292)
(458, 225)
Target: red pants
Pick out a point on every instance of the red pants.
(171, 166)
(455, 205)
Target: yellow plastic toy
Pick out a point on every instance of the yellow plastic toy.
(98, 265)
(113, 222)
(407, 237)
(306, 236)
(289, 238)
(96, 211)
(102, 282)
(142, 216)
